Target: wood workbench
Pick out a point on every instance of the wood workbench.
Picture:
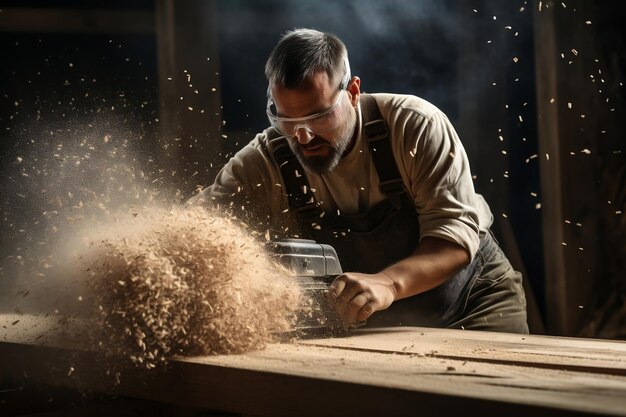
(380, 372)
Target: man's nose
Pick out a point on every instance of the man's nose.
(303, 134)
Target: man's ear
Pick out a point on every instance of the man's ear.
(354, 90)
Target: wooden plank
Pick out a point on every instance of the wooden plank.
(589, 355)
(51, 20)
(559, 353)
(373, 372)
(295, 380)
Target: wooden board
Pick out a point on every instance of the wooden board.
(587, 355)
(396, 371)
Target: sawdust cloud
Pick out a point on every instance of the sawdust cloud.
(93, 212)
(187, 281)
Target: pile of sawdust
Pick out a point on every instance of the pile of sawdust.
(187, 281)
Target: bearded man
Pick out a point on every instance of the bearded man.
(384, 179)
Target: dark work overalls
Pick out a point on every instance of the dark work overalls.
(385, 233)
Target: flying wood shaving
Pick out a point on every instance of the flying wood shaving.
(187, 282)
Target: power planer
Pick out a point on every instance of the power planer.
(315, 266)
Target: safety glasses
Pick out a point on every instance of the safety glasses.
(322, 123)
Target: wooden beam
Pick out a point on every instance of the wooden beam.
(189, 91)
(50, 20)
(546, 55)
(571, 116)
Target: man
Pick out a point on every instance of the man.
(384, 179)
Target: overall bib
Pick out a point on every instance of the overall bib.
(383, 234)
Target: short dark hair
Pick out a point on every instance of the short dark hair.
(302, 52)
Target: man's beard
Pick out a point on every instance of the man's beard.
(325, 164)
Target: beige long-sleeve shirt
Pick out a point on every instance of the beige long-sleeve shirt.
(430, 157)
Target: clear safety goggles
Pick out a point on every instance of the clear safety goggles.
(322, 123)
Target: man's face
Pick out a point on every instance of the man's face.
(318, 143)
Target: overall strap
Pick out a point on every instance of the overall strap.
(376, 133)
(299, 194)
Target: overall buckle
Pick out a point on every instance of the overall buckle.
(376, 130)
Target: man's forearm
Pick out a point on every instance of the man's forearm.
(358, 295)
(430, 265)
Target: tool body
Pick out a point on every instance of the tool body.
(315, 266)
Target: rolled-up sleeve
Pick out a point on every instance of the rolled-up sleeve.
(441, 182)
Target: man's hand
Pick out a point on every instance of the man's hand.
(357, 296)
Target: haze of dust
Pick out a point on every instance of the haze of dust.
(186, 281)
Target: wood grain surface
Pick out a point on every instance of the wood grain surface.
(393, 371)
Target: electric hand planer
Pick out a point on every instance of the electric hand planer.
(315, 266)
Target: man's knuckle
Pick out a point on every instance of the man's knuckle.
(353, 308)
(364, 314)
(355, 303)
